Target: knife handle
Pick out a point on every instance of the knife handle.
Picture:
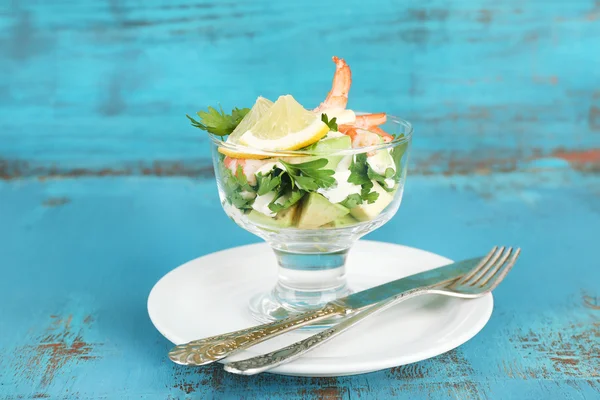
(214, 348)
(289, 353)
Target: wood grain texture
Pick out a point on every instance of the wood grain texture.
(76, 277)
(96, 84)
(104, 187)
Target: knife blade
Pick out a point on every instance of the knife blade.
(367, 297)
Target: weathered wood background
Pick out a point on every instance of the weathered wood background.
(104, 187)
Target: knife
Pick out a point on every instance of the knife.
(214, 348)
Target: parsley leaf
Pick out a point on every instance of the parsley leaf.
(389, 173)
(240, 202)
(291, 199)
(233, 187)
(359, 175)
(358, 170)
(332, 124)
(218, 122)
(397, 153)
(238, 114)
(367, 195)
(306, 183)
(267, 183)
(242, 180)
(352, 201)
(310, 175)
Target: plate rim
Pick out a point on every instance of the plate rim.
(481, 316)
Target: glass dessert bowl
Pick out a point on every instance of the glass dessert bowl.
(310, 183)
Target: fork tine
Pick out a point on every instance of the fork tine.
(492, 262)
(480, 269)
(485, 276)
(499, 276)
(481, 264)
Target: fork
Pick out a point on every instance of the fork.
(482, 279)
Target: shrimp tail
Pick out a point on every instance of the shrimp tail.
(342, 80)
(366, 121)
(386, 136)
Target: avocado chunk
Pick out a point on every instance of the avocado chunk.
(382, 163)
(332, 145)
(326, 146)
(283, 219)
(346, 220)
(366, 211)
(317, 211)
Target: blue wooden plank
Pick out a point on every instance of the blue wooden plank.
(89, 85)
(80, 256)
(97, 199)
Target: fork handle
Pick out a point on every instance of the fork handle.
(271, 360)
(211, 349)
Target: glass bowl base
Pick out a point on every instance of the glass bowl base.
(268, 307)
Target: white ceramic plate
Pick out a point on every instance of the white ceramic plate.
(208, 296)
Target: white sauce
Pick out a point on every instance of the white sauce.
(246, 195)
(381, 161)
(268, 167)
(343, 116)
(261, 204)
(343, 188)
(282, 199)
(332, 135)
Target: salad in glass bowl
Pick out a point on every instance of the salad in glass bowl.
(309, 182)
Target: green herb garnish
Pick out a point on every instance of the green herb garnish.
(219, 123)
(331, 124)
(234, 188)
(381, 179)
(352, 201)
(359, 175)
(397, 153)
(242, 181)
(310, 176)
(366, 193)
(358, 170)
(294, 197)
(267, 183)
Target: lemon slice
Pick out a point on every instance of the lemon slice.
(258, 110)
(286, 126)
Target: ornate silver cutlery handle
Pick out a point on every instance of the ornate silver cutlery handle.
(211, 349)
(477, 282)
(271, 360)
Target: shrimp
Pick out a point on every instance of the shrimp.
(338, 98)
(367, 121)
(386, 136)
(249, 167)
(348, 130)
(342, 79)
(370, 122)
(365, 139)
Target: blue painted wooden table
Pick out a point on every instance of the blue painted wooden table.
(105, 188)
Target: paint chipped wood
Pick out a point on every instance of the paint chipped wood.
(104, 187)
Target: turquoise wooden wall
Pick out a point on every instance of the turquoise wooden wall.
(101, 87)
